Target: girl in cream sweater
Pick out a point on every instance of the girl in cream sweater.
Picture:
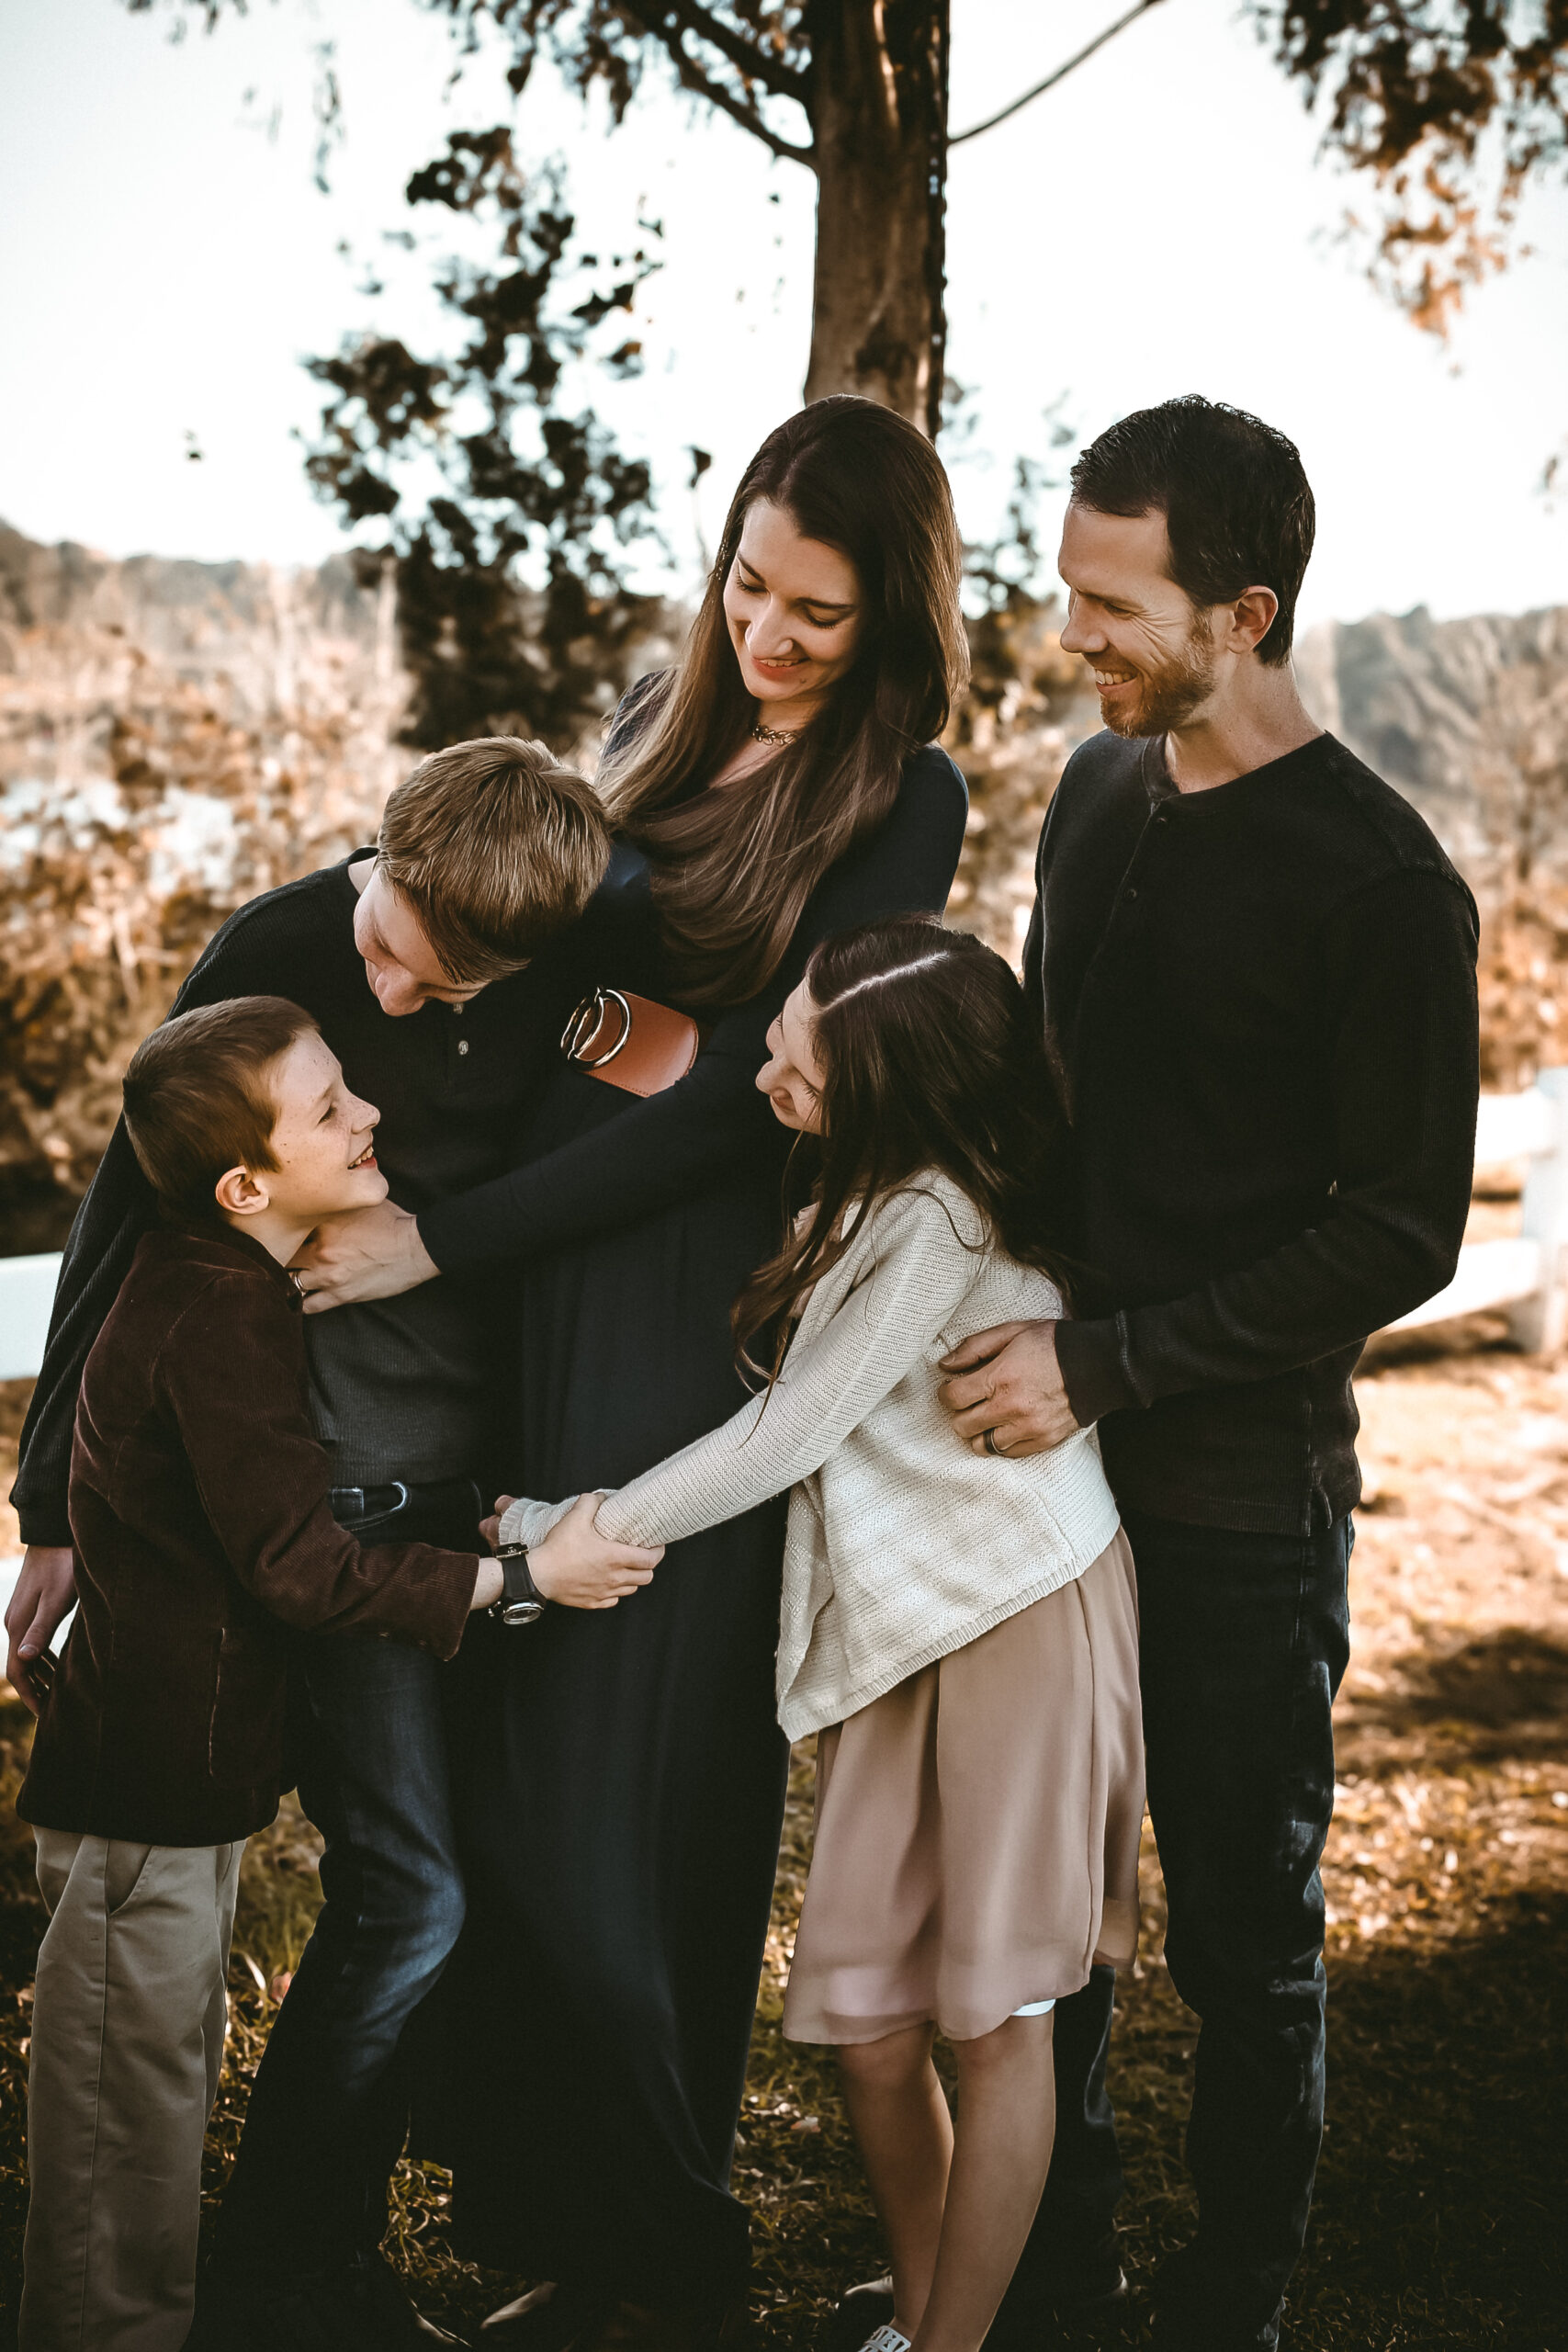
(958, 1628)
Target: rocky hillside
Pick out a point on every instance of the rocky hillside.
(1470, 718)
(176, 737)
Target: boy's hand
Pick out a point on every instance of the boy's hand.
(46, 1590)
(491, 1528)
(585, 1570)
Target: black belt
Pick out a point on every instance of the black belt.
(380, 1502)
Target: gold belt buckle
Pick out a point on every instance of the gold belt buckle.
(583, 1028)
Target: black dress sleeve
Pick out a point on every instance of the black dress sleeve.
(714, 1120)
(263, 950)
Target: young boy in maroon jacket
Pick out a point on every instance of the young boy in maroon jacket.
(203, 1531)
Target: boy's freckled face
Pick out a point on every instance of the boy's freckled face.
(793, 1078)
(323, 1138)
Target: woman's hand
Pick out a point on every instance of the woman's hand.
(584, 1570)
(367, 1253)
(491, 1528)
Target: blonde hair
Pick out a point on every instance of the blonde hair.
(497, 847)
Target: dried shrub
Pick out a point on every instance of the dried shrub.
(174, 739)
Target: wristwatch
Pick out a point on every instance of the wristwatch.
(521, 1603)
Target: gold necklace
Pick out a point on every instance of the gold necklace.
(760, 734)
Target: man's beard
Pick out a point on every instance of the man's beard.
(1167, 697)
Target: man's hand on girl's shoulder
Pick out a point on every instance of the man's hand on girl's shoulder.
(1006, 1384)
(491, 1528)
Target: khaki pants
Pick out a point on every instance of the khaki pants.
(128, 2020)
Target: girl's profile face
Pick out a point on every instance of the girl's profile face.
(791, 1077)
(793, 607)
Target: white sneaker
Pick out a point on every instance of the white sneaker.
(887, 2339)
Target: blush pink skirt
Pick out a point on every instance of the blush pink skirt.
(976, 1844)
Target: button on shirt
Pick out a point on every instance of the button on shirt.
(1259, 1002)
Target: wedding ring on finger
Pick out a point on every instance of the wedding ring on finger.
(991, 1446)
(298, 1280)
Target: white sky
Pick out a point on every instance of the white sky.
(1157, 225)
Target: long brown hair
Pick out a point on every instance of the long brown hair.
(930, 1061)
(733, 869)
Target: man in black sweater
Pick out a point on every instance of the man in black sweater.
(1256, 973)
(428, 963)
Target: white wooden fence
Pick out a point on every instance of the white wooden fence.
(1529, 1276)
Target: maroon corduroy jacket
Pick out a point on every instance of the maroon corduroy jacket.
(200, 1515)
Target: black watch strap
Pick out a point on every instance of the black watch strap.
(521, 1603)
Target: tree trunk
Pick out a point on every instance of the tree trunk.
(879, 117)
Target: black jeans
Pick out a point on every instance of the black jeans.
(328, 2112)
(1243, 1641)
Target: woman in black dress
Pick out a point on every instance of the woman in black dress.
(622, 1773)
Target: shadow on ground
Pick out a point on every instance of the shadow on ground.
(1506, 1692)
(1492, 1697)
(1437, 2220)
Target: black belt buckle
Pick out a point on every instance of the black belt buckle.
(370, 1502)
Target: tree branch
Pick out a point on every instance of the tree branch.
(1139, 9)
(702, 86)
(685, 16)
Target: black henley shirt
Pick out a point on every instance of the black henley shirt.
(1260, 1005)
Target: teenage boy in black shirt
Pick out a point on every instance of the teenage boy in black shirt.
(1256, 972)
(428, 964)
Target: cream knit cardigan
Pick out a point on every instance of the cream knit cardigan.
(903, 1546)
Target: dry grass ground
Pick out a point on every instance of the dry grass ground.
(1438, 2218)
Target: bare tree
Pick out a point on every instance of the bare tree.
(1451, 108)
(853, 91)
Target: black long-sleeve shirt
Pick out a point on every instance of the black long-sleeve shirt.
(408, 1376)
(1260, 1003)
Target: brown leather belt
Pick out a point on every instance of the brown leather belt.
(630, 1042)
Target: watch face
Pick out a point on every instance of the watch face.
(521, 1613)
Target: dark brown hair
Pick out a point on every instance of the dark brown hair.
(733, 869)
(199, 1100)
(497, 848)
(1237, 505)
(930, 1061)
